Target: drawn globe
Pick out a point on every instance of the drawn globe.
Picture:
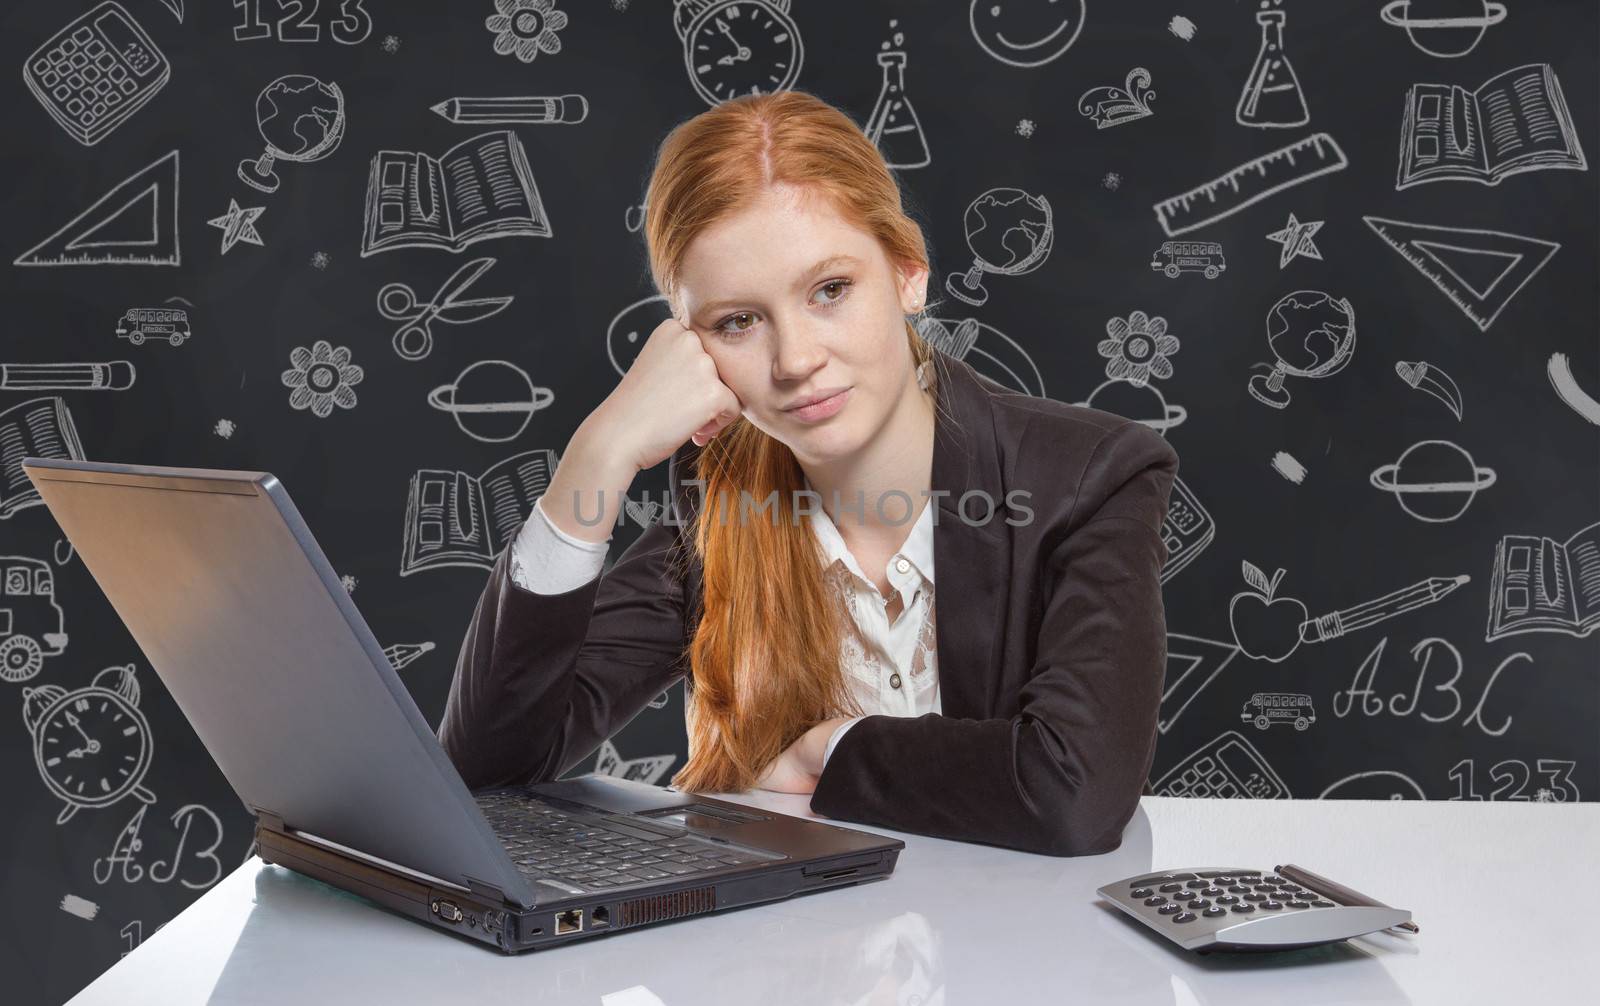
(300, 117)
(1312, 333)
(1009, 231)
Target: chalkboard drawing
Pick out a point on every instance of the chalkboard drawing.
(893, 125)
(1249, 183)
(32, 624)
(75, 375)
(321, 377)
(1112, 106)
(481, 188)
(1479, 270)
(136, 223)
(1009, 233)
(1182, 27)
(1138, 348)
(321, 260)
(127, 846)
(1174, 258)
(1461, 32)
(238, 224)
(646, 770)
(92, 75)
(633, 218)
(1271, 98)
(1515, 121)
(566, 109)
(454, 519)
(1186, 530)
(1427, 377)
(1228, 767)
(1567, 388)
(1295, 239)
(1263, 709)
(401, 654)
(1312, 334)
(1027, 34)
(644, 513)
(1380, 784)
(164, 324)
(1143, 403)
(83, 908)
(176, 7)
(491, 400)
(38, 427)
(526, 27)
(1271, 627)
(1289, 467)
(630, 327)
(1193, 662)
(734, 47)
(1440, 485)
(225, 428)
(92, 746)
(414, 339)
(988, 350)
(1026, 127)
(1542, 585)
(301, 119)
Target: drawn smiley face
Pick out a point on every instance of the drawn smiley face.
(1026, 32)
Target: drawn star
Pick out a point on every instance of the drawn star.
(1296, 240)
(238, 224)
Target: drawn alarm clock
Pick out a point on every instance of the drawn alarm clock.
(734, 47)
(92, 745)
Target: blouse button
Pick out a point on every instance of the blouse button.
(901, 565)
(894, 680)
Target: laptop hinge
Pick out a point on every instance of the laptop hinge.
(270, 821)
(489, 892)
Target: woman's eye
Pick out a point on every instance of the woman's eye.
(839, 288)
(736, 329)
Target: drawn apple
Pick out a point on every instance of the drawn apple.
(1264, 626)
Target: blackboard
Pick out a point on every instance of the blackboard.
(158, 294)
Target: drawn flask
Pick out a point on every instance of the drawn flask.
(893, 125)
(1271, 97)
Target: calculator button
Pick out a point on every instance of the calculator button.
(1141, 892)
(1255, 897)
(95, 47)
(1200, 903)
(1214, 911)
(116, 73)
(1299, 904)
(1324, 904)
(69, 46)
(1199, 883)
(1211, 892)
(1239, 889)
(1171, 887)
(1185, 917)
(1262, 887)
(77, 59)
(74, 106)
(41, 66)
(1228, 899)
(1244, 909)
(61, 92)
(1155, 899)
(1272, 906)
(127, 86)
(82, 35)
(1169, 909)
(91, 74)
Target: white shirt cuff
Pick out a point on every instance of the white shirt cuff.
(548, 560)
(838, 732)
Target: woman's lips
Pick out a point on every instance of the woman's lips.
(817, 411)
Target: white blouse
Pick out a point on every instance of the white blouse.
(891, 669)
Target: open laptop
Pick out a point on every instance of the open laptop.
(237, 609)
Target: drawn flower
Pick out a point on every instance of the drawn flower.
(321, 377)
(525, 27)
(1138, 348)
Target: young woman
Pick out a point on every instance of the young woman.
(826, 463)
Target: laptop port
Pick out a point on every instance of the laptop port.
(570, 921)
(599, 917)
(446, 910)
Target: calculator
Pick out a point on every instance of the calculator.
(1229, 767)
(1217, 908)
(1187, 529)
(96, 72)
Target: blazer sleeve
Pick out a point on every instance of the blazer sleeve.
(1063, 776)
(542, 679)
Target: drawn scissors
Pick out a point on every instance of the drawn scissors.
(398, 302)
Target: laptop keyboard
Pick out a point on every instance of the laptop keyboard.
(547, 842)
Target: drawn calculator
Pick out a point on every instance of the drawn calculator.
(1187, 529)
(1227, 767)
(96, 72)
(1217, 908)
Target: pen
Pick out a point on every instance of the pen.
(1337, 892)
(567, 108)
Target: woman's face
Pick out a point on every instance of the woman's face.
(791, 301)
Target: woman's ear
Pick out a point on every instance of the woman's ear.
(913, 288)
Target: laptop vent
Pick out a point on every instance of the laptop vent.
(659, 907)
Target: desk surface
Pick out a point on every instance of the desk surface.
(957, 922)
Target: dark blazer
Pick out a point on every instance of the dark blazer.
(1051, 639)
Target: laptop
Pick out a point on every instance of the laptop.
(239, 612)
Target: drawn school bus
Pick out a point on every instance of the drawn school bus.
(1266, 708)
(1174, 257)
(140, 323)
(29, 617)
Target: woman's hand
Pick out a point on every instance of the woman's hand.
(797, 769)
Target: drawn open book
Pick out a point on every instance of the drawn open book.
(481, 188)
(1544, 585)
(453, 519)
(1514, 122)
(39, 427)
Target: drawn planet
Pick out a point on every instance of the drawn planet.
(627, 333)
(1379, 785)
(491, 400)
(1434, 480)
(1142, 404)
(1026, 32)
(1452, 27)
(300, 117)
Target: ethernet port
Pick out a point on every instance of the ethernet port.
(599, 917)
(570, 921)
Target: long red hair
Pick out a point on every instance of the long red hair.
(765, 655)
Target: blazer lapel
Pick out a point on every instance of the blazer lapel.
(971, 561)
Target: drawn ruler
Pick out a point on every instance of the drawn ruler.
(1250, 182)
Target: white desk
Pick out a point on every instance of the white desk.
(1506, 895)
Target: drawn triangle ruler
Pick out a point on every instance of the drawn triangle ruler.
(1480, 271)
(135, 223)
(1192, 661)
